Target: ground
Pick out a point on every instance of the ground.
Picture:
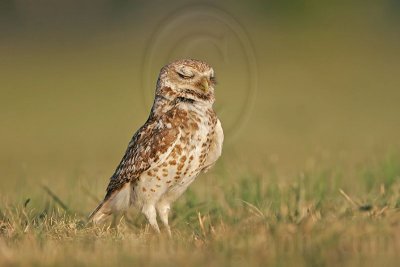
(319, 218)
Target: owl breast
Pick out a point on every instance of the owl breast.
(172, 175)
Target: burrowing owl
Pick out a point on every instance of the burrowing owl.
(181, 138)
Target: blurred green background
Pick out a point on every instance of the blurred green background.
(301, 83)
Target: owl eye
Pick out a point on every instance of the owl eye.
(185, 75)
(213, 80)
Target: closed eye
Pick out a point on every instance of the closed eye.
(213, 80)
(183, 76)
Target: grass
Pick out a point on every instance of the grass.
(319, 218)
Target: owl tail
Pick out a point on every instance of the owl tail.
(117, 202)
(98, 215)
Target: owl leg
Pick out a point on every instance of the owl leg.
(150, 212)
(163, 211)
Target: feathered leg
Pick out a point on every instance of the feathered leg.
(150, 212)
(163, 211)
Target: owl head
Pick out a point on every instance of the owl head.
(188, 79)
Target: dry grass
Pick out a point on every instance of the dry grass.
(253, 221)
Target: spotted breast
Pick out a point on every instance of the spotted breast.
(165, 182)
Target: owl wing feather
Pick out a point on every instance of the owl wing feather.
(149, 146)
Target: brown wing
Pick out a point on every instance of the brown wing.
(150, 145)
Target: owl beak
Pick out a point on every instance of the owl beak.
(204, 84)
